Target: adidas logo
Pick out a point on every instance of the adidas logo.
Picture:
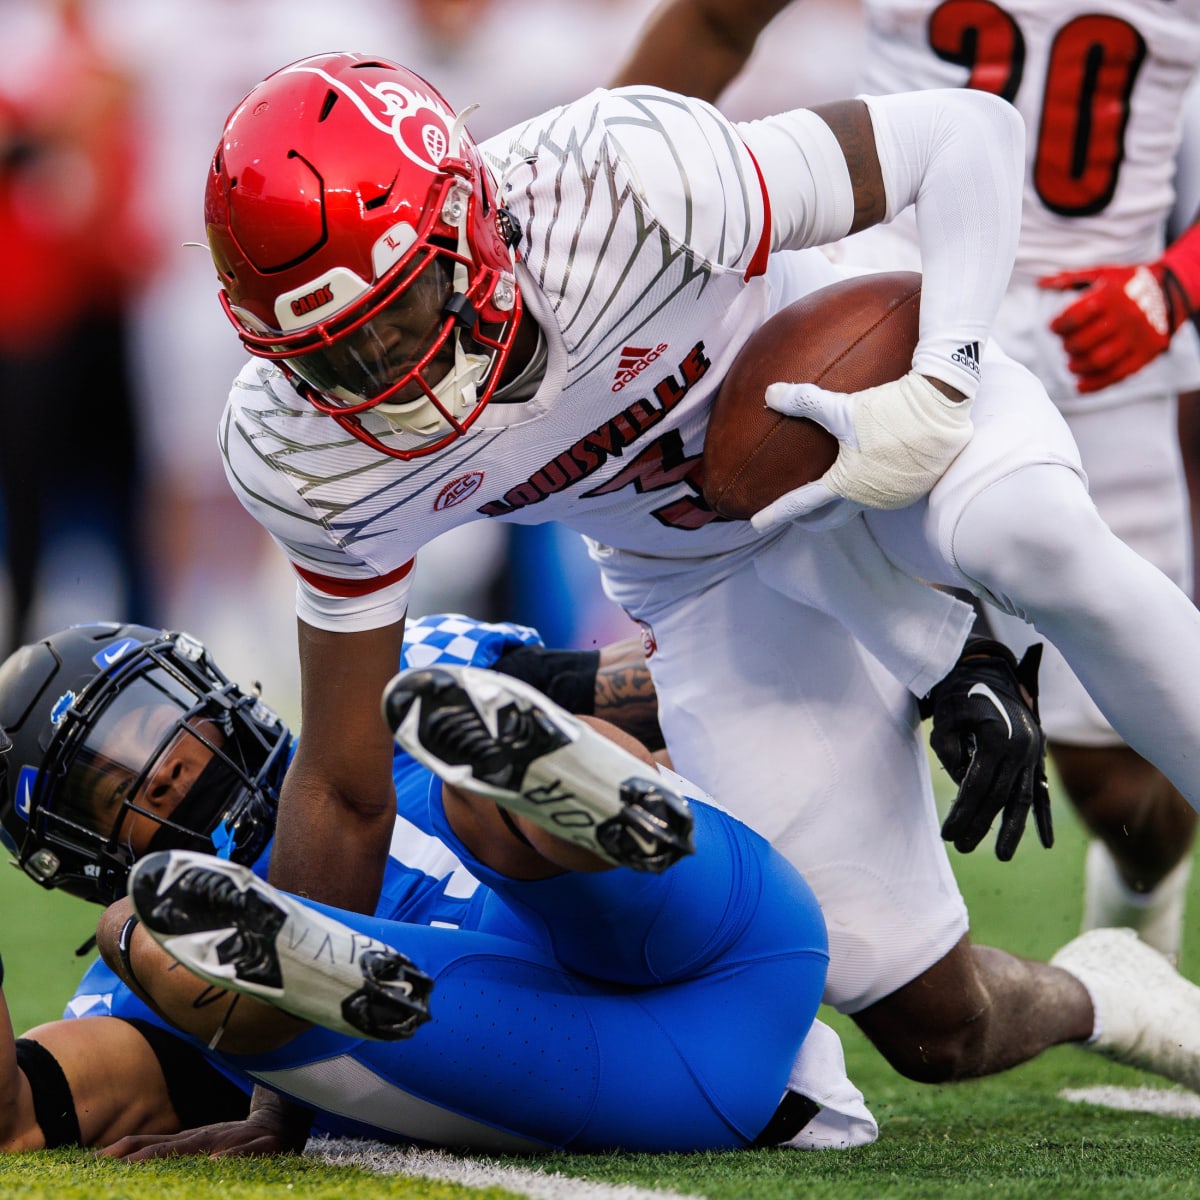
(633, 361)
(967, 356)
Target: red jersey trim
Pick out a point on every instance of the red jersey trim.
(758, 264)
(333, 586)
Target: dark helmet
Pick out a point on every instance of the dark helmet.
(116, 727)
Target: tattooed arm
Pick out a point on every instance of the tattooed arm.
(625, 692)
(613, 683)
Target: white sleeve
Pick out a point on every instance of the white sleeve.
(958, 156)
(805, 177)
(365, 609)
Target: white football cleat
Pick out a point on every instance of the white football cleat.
(1147, 1014)
(236, 931)
(496, 736)
(1110, 903)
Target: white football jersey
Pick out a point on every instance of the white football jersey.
(1100, 85)
(645, 263)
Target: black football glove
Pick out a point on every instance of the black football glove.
(568, 677)
(990, 740)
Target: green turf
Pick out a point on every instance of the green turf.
(1005, 1137)
(74, 1175)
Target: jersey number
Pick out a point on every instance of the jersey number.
(1093, 63)
(664, 464)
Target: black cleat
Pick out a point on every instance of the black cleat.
(236, 931)
(498, 737)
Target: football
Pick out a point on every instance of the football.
(851, 335)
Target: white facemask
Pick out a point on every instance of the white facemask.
(457, 392)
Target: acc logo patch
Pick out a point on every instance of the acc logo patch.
(458, 490)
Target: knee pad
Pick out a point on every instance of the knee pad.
(1031, 539)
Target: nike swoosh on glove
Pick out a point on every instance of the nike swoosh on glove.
(897, 440)
(987, 734)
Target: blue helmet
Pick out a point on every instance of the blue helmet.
(124, 740)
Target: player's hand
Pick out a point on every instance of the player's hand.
(1127, 314)
(1120, 323)
(274, 1125)
(896, 441)
(987, 735)
(227, 1139)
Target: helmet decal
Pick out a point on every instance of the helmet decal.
(223, 840)
(111, 655)
(61, 707)
(354, 226)
(419, 123)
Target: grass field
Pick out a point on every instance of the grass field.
(1009, 1136)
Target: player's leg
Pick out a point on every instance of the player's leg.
(1138, 864)
(776, 710)
(634, 927)
(1017, 1009)
(568, 1062)
(1129, 634)
(213, 1015)
(1012, 521)
(577, 792)
(779, 714)
(519, 1047)
(234, 930)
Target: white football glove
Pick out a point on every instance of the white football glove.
(896, 441)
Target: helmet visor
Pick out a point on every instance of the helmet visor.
(136, 764)
(380, 357)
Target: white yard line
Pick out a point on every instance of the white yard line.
(475, 1172)
(1163, 1102)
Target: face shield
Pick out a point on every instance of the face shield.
(163, 753)
(413, 359)
(152, 770)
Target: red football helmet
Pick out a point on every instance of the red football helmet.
(355, 231)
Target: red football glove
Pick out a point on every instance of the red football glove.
(1127, 315)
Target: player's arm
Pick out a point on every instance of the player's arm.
(78, 1082)
(696, 46)
(338, 804)
(625, 694)
(17, 1123)
(238, 1025)
(612, 683)
(273, 1126)
(1126, 314)
(956, 156)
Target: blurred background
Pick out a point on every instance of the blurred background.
(115, 358)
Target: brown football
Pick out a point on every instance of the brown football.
(851, 335)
